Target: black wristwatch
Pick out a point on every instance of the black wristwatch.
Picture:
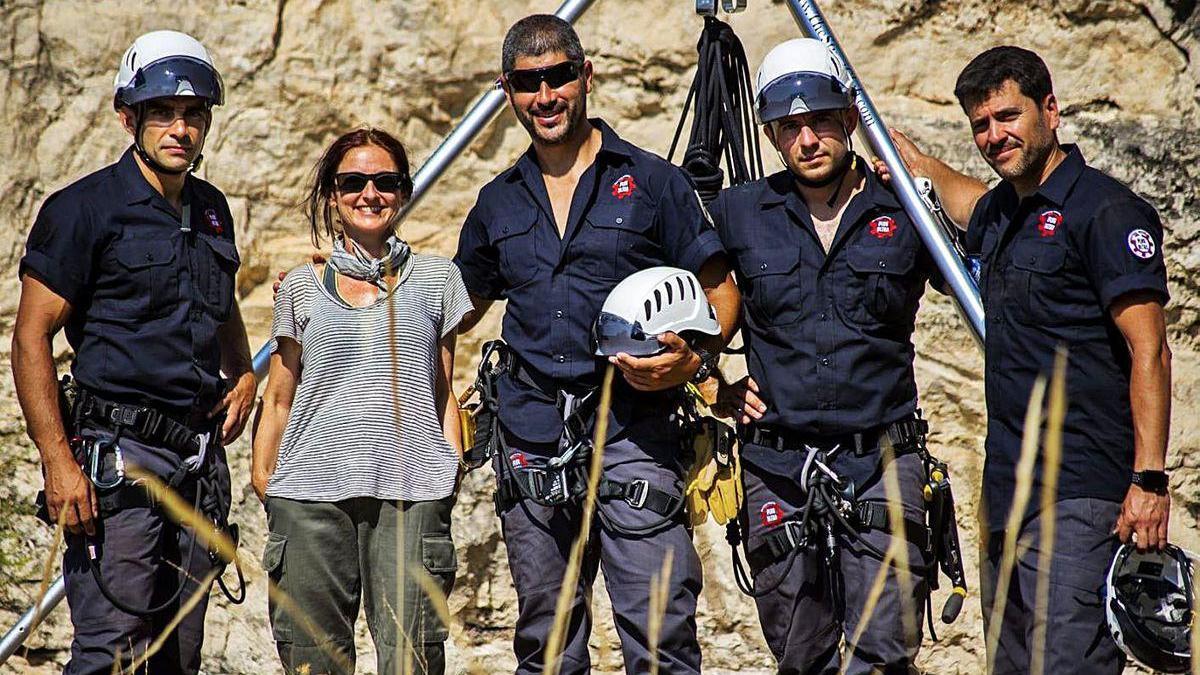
(707, 363)
(1151, 481)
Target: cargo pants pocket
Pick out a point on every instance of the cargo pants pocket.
(441, 562)
(273, 565)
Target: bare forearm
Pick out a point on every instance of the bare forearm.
(957, 191)
(267, 437)
(235, 347)
(37, 391)
(1150, 400)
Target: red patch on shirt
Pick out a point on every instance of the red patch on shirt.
(214, 222)
(770, 514)
(883, 227)
(624, 186)
(1049, 222)
(518, 461)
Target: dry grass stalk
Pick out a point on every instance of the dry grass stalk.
(1051, 464)
(570, 581)
(48, 565)
(184, 609)
(897, 551)
(660, 593)
(1021, 493)
(209, 536)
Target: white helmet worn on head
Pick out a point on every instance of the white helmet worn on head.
(1148, 604)
(799, 76)
(166, 63)
(647, 304)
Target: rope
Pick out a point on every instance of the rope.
(721, 103)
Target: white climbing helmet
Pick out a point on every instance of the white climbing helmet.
(649, 303)
(166, 63)
(798, 76)
(1148, 603)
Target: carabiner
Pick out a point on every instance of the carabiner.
(96, 448)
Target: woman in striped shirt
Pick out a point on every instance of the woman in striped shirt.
(355, 455)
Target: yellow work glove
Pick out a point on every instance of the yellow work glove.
(701, 476)
(725, 496)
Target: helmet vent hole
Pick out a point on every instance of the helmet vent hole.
(647, 305)
(682, 294)
(692, 284)
(670, 293)
(657, 300)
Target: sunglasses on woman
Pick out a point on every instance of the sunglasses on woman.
(530, 81)
(353, 181)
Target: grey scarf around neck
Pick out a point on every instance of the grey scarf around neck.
(359, 265)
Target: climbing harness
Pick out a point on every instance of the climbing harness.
(831, 508)
(721, 106)
(195, 474)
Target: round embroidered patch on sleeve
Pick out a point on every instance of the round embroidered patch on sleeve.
(1141, 244)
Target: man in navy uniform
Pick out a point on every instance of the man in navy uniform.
(1070, 257)
(581, 210)
(137, 263)
(831, 270)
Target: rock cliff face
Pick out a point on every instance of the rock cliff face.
(300, 72)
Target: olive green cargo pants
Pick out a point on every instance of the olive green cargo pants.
(323, 556)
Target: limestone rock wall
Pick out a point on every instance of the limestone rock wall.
(299, 72)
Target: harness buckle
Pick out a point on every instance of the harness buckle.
(636, 491)
(794, 534)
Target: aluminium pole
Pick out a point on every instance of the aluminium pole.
(481, 114)
(962, 286)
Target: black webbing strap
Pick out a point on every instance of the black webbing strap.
(144, 422)
(639, 494)
(779, 541)
(907, 435)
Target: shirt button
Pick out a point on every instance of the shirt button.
(504, 229)
(620, 220)
(149, 258)
(882, 264)
(762, 266)
(824, 361)
(558, 313)
(824, 316)
(560, 358)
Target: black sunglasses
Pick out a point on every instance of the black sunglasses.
(353, 181)
(530, 81)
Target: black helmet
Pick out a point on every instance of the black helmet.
(1148, 601)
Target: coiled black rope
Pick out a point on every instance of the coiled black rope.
(721, 101)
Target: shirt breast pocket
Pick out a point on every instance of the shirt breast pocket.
(218, 284)
(151, 287)
(619, 241)
(1037, 288)
(770, 285)
(881, 288)
(517, 244)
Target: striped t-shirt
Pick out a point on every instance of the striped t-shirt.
(364, 420)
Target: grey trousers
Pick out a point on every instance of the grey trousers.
(800, 619)
(1077, 637)
(539, 539)
(323, 556)
(140, 554)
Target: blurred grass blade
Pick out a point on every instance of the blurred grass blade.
(1051, 464)
(660, 593)
(186, 608)
(570, 581)
(1024, 486)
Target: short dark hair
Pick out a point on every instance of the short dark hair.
(539, 34)
(324, 177)
(988, 72)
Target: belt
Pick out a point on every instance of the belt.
(146, 423)
(903, 435)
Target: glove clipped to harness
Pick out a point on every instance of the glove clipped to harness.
(714, 481)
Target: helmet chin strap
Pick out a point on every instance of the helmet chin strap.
(141, 151)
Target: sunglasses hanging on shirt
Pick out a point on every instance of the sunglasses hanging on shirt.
(530, 81)
(353, 181)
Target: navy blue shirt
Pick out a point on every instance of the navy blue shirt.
(828, 336)
(146, 298)
(1052, 266)
(631, 210)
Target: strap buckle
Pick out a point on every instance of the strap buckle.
(125, 416)
(794, 534)
(636, 491)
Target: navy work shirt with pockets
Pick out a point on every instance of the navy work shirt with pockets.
(146, 298)
(631, 210)
(1052, 266)
(828, 335)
